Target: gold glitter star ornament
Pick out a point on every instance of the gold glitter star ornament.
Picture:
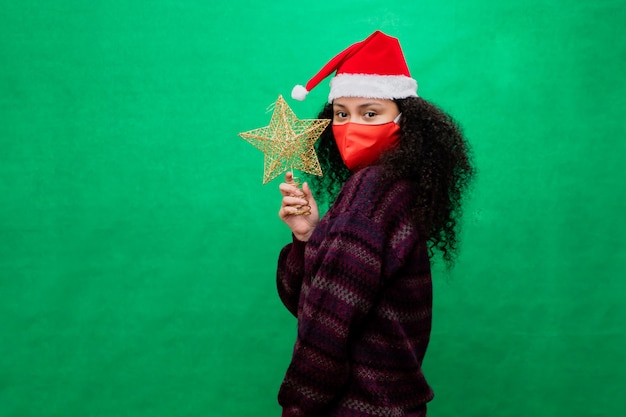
(287, 142)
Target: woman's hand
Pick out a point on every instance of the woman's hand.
(299, 209)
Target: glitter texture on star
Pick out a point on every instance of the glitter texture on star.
(287, 142)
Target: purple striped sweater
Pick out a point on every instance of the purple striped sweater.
(361, 290)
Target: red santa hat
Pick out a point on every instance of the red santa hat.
(373, 68)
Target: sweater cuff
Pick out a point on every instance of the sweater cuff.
(296, 253)
(298, 244)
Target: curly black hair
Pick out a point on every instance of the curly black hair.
(432, 154)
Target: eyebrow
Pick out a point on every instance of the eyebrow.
(368, 104)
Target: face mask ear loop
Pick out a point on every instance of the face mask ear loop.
(397, 119)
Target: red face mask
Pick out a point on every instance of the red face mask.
(360, 145)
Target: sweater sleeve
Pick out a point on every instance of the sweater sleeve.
(289, 274)
(345, 282)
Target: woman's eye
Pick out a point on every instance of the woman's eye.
(370, 114)
(341, 115)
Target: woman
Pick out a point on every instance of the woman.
(358, 280)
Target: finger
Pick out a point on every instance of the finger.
(284, 212)
(287, 188)
(306, 189)
(294, 201)
(290, 190)
(308, 194)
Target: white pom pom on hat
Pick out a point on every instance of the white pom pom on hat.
(373, 68)
(299, 92)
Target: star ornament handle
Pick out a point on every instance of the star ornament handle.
(301, 210)
(287, 142)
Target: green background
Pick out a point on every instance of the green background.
(138, 245)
